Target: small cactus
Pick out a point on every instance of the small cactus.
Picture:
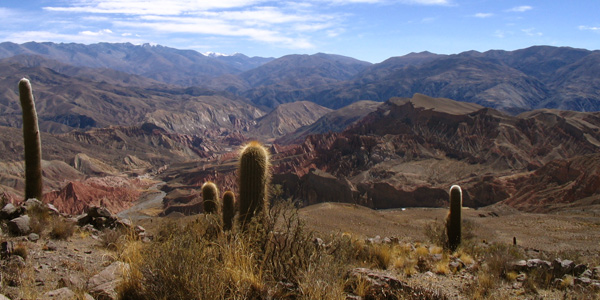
(32, 143)
(210, 197)
(454, 221)
(228, 210)
(254, 177)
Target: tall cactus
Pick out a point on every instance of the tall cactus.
(228, 210)
(210, 197)
(454, 221)
(254, 177)
(32, 142)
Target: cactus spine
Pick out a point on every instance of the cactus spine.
(454, 221)
(254, 180)
(32, 142)
(228, 210)
(210, 197)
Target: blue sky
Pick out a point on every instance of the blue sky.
(371, 30)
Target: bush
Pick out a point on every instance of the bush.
(274, 257)
(61, 229)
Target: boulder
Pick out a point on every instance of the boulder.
(10, 212)
(96, 212)
(562, 267)
(32, 202)
(103, 285)
(20, 225)
(7, 248)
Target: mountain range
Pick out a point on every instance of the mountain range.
(511, 81)
(509, 126)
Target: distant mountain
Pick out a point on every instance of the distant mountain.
(67, 102)
(169, 65)
(271, 81)
(288, 117)
(510, 81)
(243, 62)
(334, 121)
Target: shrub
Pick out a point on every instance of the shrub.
(61, 229)
(274, 257)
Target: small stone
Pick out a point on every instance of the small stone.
(521, 277)
(437, 257)
(2, 297)
(64, 293)
(50, 246)
(71, 281)
(429, 273)
(53, 210)
(582, 281)
(33, 237)
(596, 273)
(517, 285)
(587, 273)
(579, 269)
(139, 229)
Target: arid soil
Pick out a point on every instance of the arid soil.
(568, 235)
(575, 233)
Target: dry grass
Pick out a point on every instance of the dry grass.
(275, 258)
(61, 229)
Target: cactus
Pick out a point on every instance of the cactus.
(210, 197)
(228, 210)
(31, 139)
(254, 179)
(454, 221)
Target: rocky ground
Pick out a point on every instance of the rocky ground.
(87, 265)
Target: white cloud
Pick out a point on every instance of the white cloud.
(428, 20)
(96, 33)
(522, 8)
(154, 7)
(590, 28)
(81, 37)
(483, 15)
(500, 34)
(531, 32)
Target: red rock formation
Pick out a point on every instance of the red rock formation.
(114, 193)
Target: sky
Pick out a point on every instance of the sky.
(369, 30)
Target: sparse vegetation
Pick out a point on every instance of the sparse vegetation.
(61, 229)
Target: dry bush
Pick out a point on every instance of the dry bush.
(274, 257)
(61, 229)
(21, 250)
(39, 218)
(112, 239)
(436, 233)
